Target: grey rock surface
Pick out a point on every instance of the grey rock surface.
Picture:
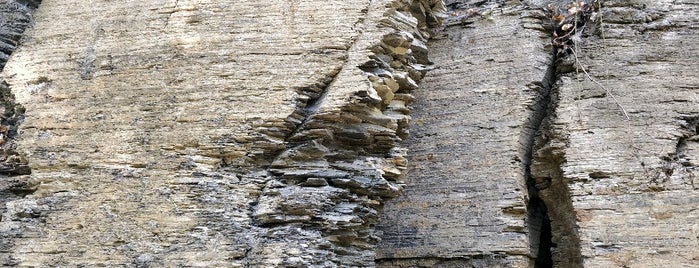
(467, 195)
(294, 133)
(606, 139)
(633, 182)
(202, 133)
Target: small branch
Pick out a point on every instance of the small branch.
(609, 93)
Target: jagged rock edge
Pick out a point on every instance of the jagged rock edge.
(348, 161)
(17, 16)
(551, 216)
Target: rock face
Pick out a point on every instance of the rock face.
(278, 134)
(595, 136)
(633, 182)
(473, 116)
(190, 133)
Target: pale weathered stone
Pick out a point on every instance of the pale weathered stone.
(200, 133)
(270, 134)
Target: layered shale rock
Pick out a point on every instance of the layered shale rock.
(465, 204)
(15, 17)
(633, 181)
(177, 133)
(607, 130)
(343, 160)
(190, 133)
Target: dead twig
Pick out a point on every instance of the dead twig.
(609, 93)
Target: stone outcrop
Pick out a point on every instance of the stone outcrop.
(472, 120)
(294, 133)
(568, 140)
(633, 181)
(160, 133)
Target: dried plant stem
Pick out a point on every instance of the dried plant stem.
(609, 93)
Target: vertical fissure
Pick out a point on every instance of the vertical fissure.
(538, 220)
(554, 241)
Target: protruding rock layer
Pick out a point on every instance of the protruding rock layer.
(15, 17)
(202, 133)
(466, 200)
(343, 160)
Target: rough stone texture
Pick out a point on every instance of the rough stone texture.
(466, 194)
(634, 182)
(611, 191)
(15, 16)
(195, 133)
(268, 134)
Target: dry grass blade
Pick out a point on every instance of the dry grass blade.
(609, 93)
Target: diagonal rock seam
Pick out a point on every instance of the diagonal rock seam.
(169, 17)
(307, 105)
(345, 161)
(310, 100)
(16, 17)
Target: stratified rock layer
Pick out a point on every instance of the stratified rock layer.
(634, 182)
(268, 134)
(466, 195)
(605, 190)
(201, 133)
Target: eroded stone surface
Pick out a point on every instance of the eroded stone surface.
(173, 133)
(617, 192)
(199, 133)
(466, 185)
(634, 182)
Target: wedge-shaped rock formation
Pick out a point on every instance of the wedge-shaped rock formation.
(294, 133)
(204, 133)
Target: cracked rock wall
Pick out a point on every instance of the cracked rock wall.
(196, 133)
(512, 165)
(280, 134)
(466, 196)
(634, 182)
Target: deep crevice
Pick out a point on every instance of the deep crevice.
(538, 220)
(554, 241)
(540, 230)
